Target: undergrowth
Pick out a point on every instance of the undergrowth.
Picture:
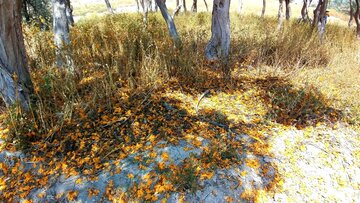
(132, 90)
(117, 53)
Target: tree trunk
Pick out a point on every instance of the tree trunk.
(219, 44)
(351, 13)
(145, 4)
(280, 11)
(207, 9)
(280, 14)
(184, 5)
(108, 6)
(25, 11)
(137, 5)
(170, 22)
(263, 9)
(357, 18)
(61, 34)
(304, 11)
(194, 6)
(240, 6)
(15, 82)
(69, 11)
(156, 6)
(317, 13)
(320, 18)
(288, 9)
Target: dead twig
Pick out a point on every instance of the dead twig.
(200, 98)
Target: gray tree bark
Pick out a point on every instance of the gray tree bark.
(351, 13)
(287, 9)
(263, 9)
(184, 5)
(108, 6)
(194, 6)
(304, 10)
(170, 22)
(69, 11)
(219, 45)
(280, 14)
(61, 34)
(146, 6)
(15, 83)
(320, 18)
(357, 18)
(137, 5)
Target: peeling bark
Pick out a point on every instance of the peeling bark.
(15, 82)
(170, 22)
(219, 45)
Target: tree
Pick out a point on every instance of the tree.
(263, 9)
(184, 5)
(287, 9)
(304, 10)
(61, 33)
(170, 22)
(219, 45)
(357, 18)
(194, 6)
(145, 7)
(137, 5)
(280, 11)
(15, 81)
(280, 14)
(320, 17)
(69, 11)
(108, 6)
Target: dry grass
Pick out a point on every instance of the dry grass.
(116, 54)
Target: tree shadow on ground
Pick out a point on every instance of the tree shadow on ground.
(92, 146)
(96, 139)
(284, 103)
